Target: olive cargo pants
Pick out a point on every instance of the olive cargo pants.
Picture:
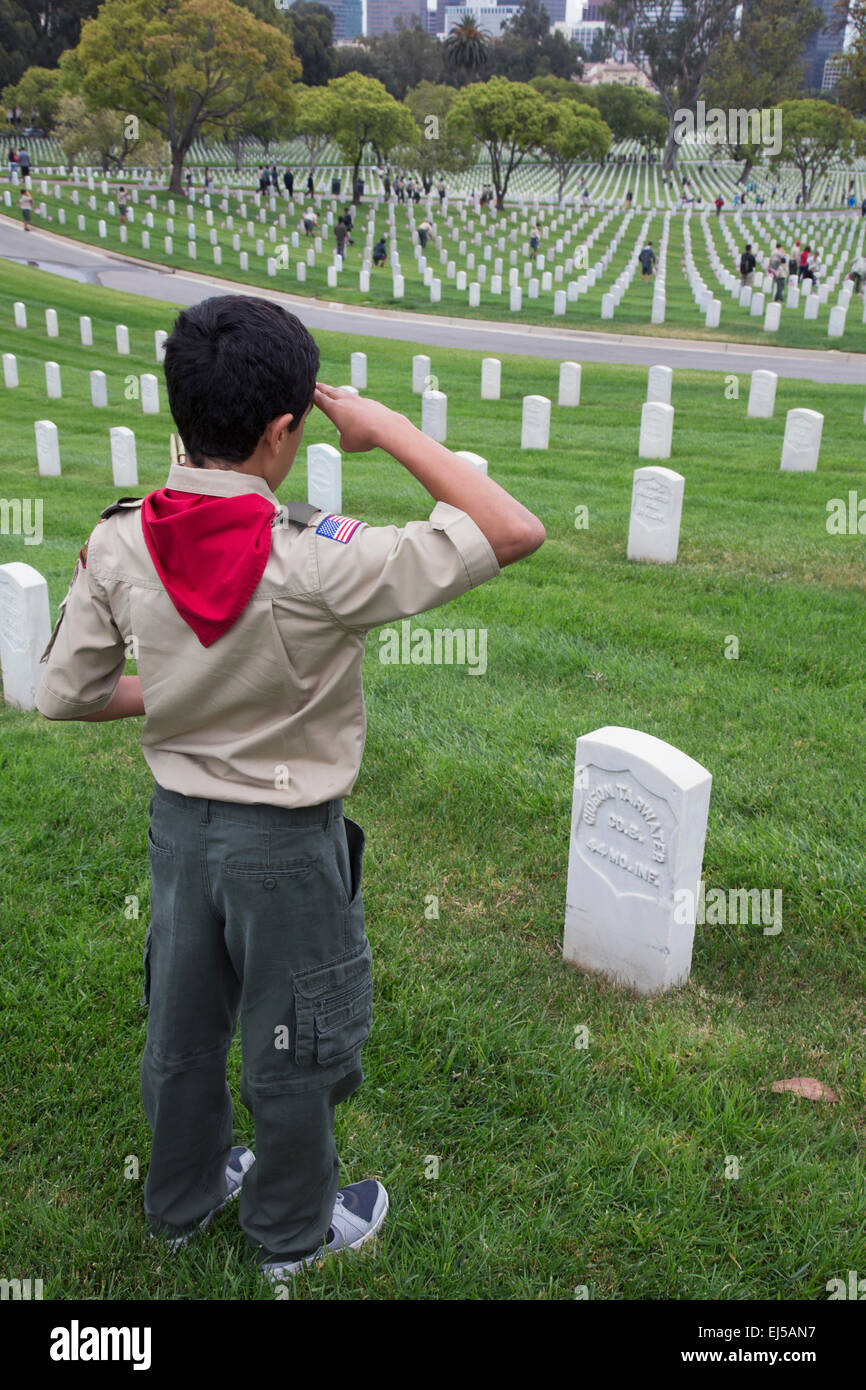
(255, 910)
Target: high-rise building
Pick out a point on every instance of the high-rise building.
(348, 16)
(381, 14)
(825, 44)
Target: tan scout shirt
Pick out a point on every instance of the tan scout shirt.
(273, 711)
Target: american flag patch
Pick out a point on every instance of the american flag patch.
(338, 528)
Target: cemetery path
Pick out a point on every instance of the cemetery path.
(72, 259)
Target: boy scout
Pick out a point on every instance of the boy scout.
(247, 620)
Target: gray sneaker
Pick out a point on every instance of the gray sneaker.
(240, 1162)
(358, 1214)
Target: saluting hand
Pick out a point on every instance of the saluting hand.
(363, 424)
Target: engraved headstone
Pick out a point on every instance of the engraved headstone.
(535, 424)
(121, 335)
(51, 327)
(638, 827)
(86, 329)
(159, 341)
(25, 628)
(434, 415)
(52, 381)
(124, 468)
(149, 394)
(98, 391)
(656, 509)
(762, 395)
(324, 477)
(569, 383)
(47, 449)
(358, 364)
(491, 378)
(802, 441)
(656, 430)
(659, 384)
(20, 314)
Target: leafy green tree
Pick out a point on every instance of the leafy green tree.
(438, 150)
(36, 97)
(816, 134)
(631, 113)
(760, 67)
(572, 135)
(311, 27)
(672, 42)
(184, 67)
(852, 85)
(363, 113)
(34, 33)
(100, 137)
(506, 118)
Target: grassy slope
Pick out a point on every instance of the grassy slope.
(559, 1167)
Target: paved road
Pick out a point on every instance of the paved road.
(77, 261)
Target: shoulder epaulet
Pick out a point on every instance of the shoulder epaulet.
(122, 504)
(299, 513)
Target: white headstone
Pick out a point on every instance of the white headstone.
(121, 334)
(358, 363)
(762, 395)
(51, 323)
(638, 827)
(25, 629)
(20, 314)
(324, 477)
(98, 391)
(420, 373)
(713, 316)
(159, 340)
(149, 394)
(772, 316)
(607, 306)
(491, 378)
(535, 424)
(656, 430)
(836, 326)
(52, 381)
(475, 459)
(123, 462)
(656, 509)
(569, 383)
(515, 301)
(434, 415)
(659, 384)
(47, 449)
(86, 328)
(802, 441)
(10, 370)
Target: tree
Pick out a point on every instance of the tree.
(34, 33)
(631, 113)
(761, 67)
(399, 59)
(185, 67)
(363, 113)
(36, 97)
(507, 118)
(852, 84)
(672, 43)
(99, 137)
(531, 22)
(311, 27)
(572, 134)
(314, 121)
(815, 135)
(466, 48)
(438, 150)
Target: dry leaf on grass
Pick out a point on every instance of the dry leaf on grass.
(805, 1086)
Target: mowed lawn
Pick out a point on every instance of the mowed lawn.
(559, 1167)
(682, 316)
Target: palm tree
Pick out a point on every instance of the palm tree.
(466, 47)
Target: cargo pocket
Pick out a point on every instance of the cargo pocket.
(334, 1010)
(145, 998)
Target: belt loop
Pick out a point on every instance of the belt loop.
(205, 812)
(329, 814)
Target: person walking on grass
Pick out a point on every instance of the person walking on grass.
(13, 165)
(122, 204)
(747, 266)
(256, 900)
(857, 273)
(25, 202)
(647, 260)
(778, 268)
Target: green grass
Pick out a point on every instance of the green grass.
(682, 318)
(559, 1166)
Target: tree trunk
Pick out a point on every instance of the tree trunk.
(672, 149)
(177, 158)
(355, 174)
(746, 170)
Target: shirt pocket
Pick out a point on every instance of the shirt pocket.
(333, 1009)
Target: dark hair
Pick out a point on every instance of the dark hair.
(233, 363)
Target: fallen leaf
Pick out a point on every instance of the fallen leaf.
(805, 1086)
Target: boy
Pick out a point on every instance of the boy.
(248, 623)
(25, 202)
